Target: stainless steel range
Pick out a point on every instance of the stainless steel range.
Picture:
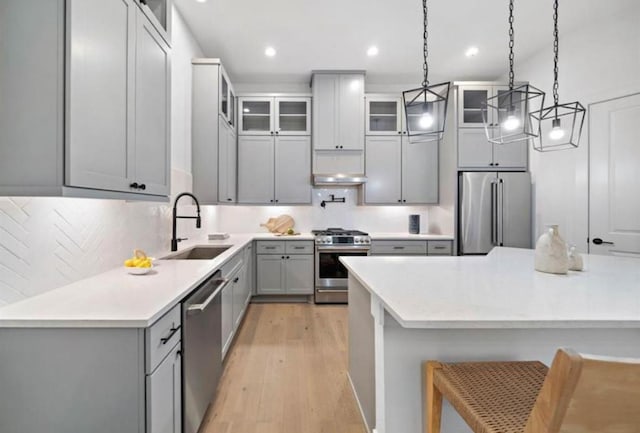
(331, 277)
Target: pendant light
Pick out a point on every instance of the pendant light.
(507, 115)
(426, 107)
(560, 125)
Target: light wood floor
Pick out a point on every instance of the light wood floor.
(287, 373)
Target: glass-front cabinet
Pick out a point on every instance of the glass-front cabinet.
(274, 115)
(159, 13)
(470, 101)
(384, 115)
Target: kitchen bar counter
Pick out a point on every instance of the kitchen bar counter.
(405, 310)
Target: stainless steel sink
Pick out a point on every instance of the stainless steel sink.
(198, 253)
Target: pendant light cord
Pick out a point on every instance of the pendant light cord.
(555, 52)
(425, 48)
(511, 43)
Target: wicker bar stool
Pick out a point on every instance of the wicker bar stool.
(578, 394)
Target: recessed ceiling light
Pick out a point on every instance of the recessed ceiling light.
(201, 1)
(270, 52)
(372, 51)
(471, 52)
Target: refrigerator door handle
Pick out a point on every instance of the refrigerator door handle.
(501, 215)
(494, 213)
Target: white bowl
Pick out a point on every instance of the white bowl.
(138, 271)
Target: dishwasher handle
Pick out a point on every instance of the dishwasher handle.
(199, 308)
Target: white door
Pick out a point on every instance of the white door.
(614, 204)
(100, 138)
(383, 166)
(293, 170)
(255, 169)
(151, 162)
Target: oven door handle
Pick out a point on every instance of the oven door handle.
(343, 250)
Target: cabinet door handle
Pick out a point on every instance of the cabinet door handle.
(282, 257)
(398, 248)
(269, 248)
(298, 248)
(288, 257)
(399, 201)
(439, 248)
(133, 185)
(229, 199)
(271, 132)
(143, 186)
(172, 331)
(341, 147)
(404, 201)
(497, 163)
(399, 132)
(143, 2)
(337, 147)
(236, 279)
(491, 164)
(277, 132)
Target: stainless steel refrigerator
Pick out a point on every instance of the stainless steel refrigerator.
(494, 210)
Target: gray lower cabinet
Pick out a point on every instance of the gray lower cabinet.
(102, 120)
(411, 248)
(274, 169)
(286, 268)
(400, 171)
(235, 296)
(164, 395)
(98, 380)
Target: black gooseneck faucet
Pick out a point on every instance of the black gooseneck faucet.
(174, 240)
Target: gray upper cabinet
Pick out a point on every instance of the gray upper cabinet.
(274, 115)
(400, 171)
(214, 137)
(256, 169)
(338, 110)
(384, 115)
(474, 150)
(159, 13)
(227, 154)
(100, 111)
(383, 168)
(274, 170)
(152, 113)
(111, 101)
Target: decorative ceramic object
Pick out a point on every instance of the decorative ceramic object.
(551, 252)
(575, 260)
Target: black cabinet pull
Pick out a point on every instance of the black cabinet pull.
(143, 186)
(133, 185)
(491, 164)
(229, 199)
(143, 2)
(497, 163)
(236, 279)
(282, 257)
(399, 201)
(172, 331)
(404, 201)
(399, 132)
(288, 257)
(277, 132)
(599, 241)
(337, 147)
(341, 147)
(271, 132)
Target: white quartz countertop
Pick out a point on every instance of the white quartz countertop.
(118, 299)
(502, 290)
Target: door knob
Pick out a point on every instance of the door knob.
(599, 241)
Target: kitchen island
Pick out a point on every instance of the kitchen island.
(403, 311)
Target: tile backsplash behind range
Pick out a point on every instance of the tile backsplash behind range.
(48, 242)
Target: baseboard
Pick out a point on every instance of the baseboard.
(355, 395)
(266, 299)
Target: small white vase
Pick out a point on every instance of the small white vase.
(575, 260)
(551, 252)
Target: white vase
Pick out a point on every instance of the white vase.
(575, 260)
(551, 252)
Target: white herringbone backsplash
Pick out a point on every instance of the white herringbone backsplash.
(49, 242)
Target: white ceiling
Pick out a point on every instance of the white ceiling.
(335, 34)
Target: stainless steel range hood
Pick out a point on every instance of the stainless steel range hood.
(339, 179)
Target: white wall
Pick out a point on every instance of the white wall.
(49, 242)
(599, 61)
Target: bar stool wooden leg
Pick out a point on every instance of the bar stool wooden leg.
(432, 398)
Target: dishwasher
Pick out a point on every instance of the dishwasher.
(202, 350)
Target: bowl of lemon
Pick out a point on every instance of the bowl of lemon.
(139, 264)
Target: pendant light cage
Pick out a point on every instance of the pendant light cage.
(426, 107)
(507, 115)
(426, 111)
(559, 126)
